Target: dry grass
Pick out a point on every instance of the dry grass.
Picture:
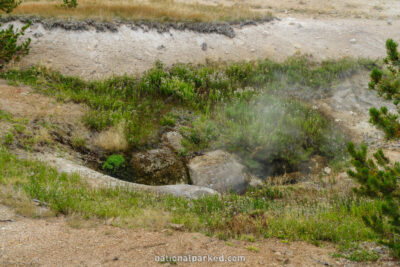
(21, 203)
(152, 219)
(166, 10)
(43, 136)
(112, 139)
(77, 222)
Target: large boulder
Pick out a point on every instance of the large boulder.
(159, 167)
(218, 170)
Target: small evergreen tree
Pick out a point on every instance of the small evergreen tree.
(385, 121)
(378, 178)
(10, 49)
(387, 83)
(8, 5)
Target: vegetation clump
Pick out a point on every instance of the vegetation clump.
(70, 3)
(250, 108)
(114, 164)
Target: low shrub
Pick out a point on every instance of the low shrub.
(114, 164)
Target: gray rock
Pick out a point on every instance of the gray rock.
(327, 170)
(159, 167)
(204, 46)
(173, 140)
(177, 227)
(218, 170)
(98, 180)
(247, 23)
(182, 190)
(353, 41)
(37, 34)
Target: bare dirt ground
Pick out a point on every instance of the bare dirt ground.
(91, 54)
(63, 242)
(21, 102)
(323, 29)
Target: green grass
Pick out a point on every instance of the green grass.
(356, 254)
(253, 249)
(20, 132)
(8, 139)
(254, 109)
(290, 215)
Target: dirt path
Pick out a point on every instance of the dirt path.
(53, 242)
(92, 54)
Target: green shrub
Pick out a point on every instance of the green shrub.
(378, 178)
(168, 120)
(386, 82)
(114, 164)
